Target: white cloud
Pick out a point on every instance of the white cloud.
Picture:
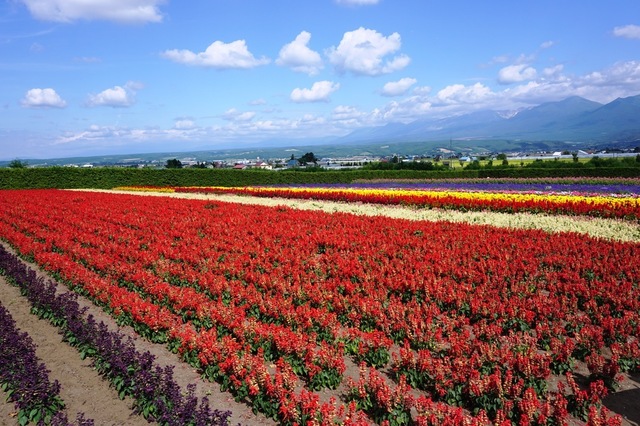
(622, 74)
(218, 55)
(347, 113)
(184, 124)
(407, 110)
(501, 59)
(516, 73)
(238, 116)
(458, 93)
(124, 11)
(627, 31)
(93, 132)
(319, 92)
(422, 90)
(363, 51)
(357, 2)
(553, 72)
(114, 97)
(547, 44)
(299, 57)
(109, 137)
(620, 80)
(43, 98)
(117, 96)
(400, 87)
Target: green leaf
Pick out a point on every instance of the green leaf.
(35, 415)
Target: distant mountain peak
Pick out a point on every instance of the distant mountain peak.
(572, 119)
(508, 114)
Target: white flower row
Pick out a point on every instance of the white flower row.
(613, 229)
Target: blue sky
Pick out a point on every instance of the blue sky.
(94, 77)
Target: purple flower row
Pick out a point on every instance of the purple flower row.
(26, 380)
(493, 185)
(157, 396)
(23, 376)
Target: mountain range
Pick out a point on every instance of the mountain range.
(569, 124)
(573, 120)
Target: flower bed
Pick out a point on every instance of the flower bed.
(585, 204)
(269, 301)
(157, 397)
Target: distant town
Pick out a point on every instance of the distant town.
(309, 160)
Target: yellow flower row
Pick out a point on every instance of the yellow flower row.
(603, 206)
(144, 189)
(612, 202)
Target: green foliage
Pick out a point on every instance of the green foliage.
(110, 177)
(329, 378)
(395, 164)
(309, 157)
(18, 164)
(174, 164)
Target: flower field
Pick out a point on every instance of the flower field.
(608, 201)
(448, 323)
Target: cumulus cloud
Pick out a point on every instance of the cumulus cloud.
(622, 74)
(357, 2)
(238, 116)
(400, 87)
(422, 90)
(627, 31)
(123, 11)
(620, 80)
(346, 113)
(319, 92)
(553, 72)
(299, 57)
(218, 55)
(363, 52)
(459, 93)
(516, 73)
(116, 97)
(43, 98)
(350, 117)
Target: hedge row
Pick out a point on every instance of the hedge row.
(106, 178)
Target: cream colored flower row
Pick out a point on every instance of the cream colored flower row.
(612, 202)
(602, 228)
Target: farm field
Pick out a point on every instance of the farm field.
(448, 322)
